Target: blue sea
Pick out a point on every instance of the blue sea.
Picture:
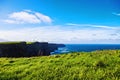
(85, 48)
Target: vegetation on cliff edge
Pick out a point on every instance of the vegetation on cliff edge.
(15, 42)
(97, 65)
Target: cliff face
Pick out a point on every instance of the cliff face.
(38, 49)
(23, 49)
(13, 50)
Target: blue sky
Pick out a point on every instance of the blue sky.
(61, 21)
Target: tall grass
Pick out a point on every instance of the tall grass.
(97, 65)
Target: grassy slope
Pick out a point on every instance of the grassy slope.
(93, 65)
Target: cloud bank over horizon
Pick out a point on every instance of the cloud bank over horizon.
(61, 34)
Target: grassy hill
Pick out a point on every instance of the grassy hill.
(97, 65)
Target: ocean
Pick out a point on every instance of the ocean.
(85, 48)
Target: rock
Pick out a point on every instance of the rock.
(22, 49)
(13, 50)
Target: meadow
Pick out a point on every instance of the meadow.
(96, 65)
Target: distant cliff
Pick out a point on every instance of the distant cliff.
(24, 49)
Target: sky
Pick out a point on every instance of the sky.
(61, 21)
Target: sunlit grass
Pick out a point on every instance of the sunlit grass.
(15, 42)
(10, 42)
(98, 65)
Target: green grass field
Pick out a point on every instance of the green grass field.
(97, 65)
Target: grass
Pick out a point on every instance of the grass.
(30, 42)
(10, 42)
(97, 65)
(15, 42)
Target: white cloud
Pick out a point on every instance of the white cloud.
(117, 14)
(105, 27)
(72, 24)
(58, 34)
(43, 18)
(11, 21)
(26, 10)
(27, 16)
(91, 25)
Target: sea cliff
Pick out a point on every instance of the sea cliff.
(24, 49)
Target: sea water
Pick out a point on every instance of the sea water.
(85, 48)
